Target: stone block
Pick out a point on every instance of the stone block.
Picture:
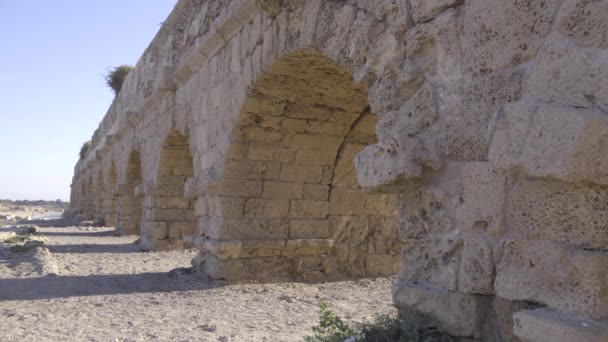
(301, 173)
(227, 207)
(155, 230)
(571, 76)
(584, 22)
(318, 192)
(174, 230)
(220, 249)
(575, 214)
(543, 272)
(266, 208)
(546, 325)
(380, 205)
(236, 188)
(309, 229)
(312, 157)
(346, 201)
(458, 314)
(262, 248)
(246, 228)
(251, 169)
(551, 141)
(308, 209)
(382, 265)
(517, 31)
(434, 261)
(171, 202)
(451, 263)
(282, 190)
(308, 247)
(316, 142)
(263, 105)
(425, 10)
(271, 153)
(481, 200)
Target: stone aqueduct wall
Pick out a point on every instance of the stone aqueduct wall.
(477, 129)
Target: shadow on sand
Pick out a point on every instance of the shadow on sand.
(53, 286)
(96, 248)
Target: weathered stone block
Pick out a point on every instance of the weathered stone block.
(301, 173)
(309, 229)
(458, 314)
(543, 272)
(308, 209)
(546, 325)
(584, 21)
(236, 187)
(480, 206)
(346, 201)
(266, 208)
(551, 141)
(316, 142)
(452, 263)
(516, 32)
(251, 169)
(310, 247)
(424, 10)
(554, 210)
(570, 76)
(155, 230)
(318, 192)
(283, 155)
(282, 190)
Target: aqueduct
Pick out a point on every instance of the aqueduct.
(457, 142)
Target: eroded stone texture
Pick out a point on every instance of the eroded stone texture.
(312, 140)
(547, 325)
(568, 279)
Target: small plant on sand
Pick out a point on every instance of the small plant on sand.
(331, 327)
(116, 76)
(410, 327)
(85, 149)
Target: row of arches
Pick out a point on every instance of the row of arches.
(281, 201)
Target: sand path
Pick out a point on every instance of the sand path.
(92, 286)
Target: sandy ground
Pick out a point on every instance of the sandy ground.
(88, 285)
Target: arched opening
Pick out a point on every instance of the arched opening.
(89, 207)
(129, 210)
(288, 205)
(169, 214)
(98, 216)
(109, 195)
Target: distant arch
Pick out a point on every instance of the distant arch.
(129, 203)
(169, 213)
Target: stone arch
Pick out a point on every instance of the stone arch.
(129, 208)
(97, 197)
(109, 194)
(89, 207)
(168, 212)
(288, 205)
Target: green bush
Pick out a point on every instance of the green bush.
(410, 327)
(116, 77)
(85, 149)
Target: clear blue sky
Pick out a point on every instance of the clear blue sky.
(52, 92)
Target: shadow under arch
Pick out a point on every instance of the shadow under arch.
(288, 205)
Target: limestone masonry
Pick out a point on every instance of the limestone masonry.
(460, 143)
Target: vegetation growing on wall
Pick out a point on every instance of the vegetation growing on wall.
(85, 149)
(116, 77)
